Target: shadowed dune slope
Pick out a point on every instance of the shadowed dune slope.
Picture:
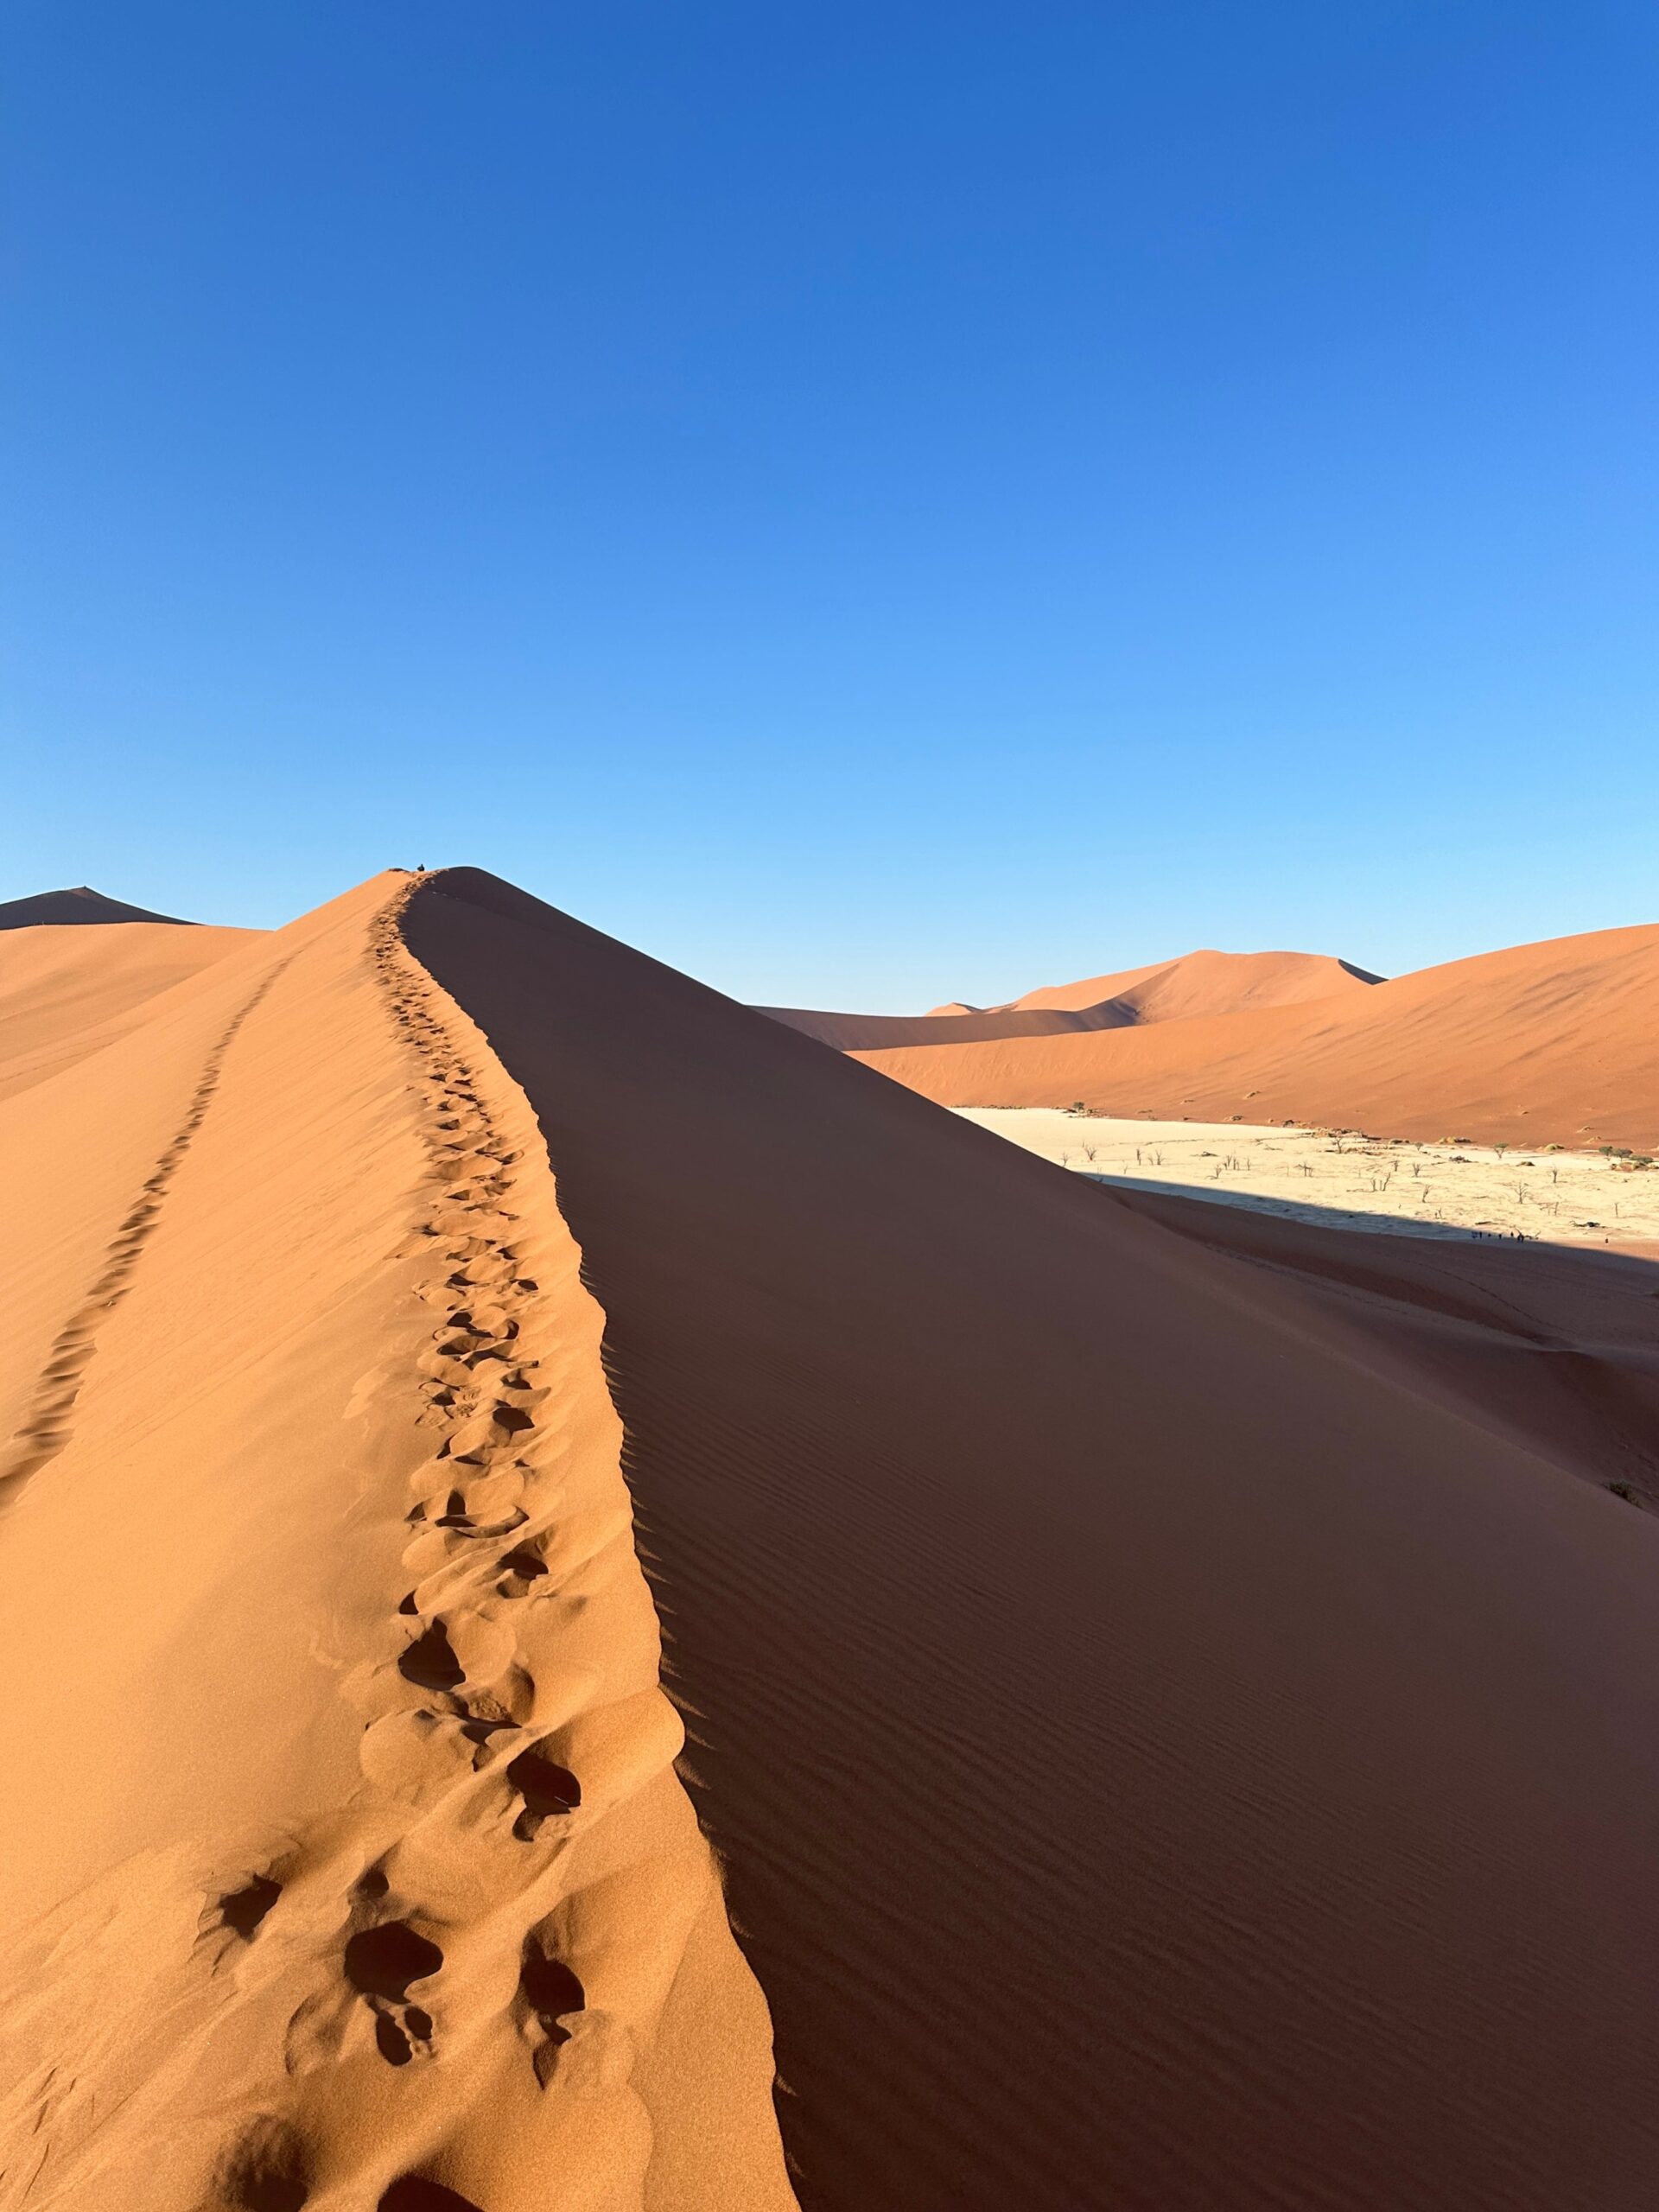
(850, 1032)
(67, 992)
(1177, 990)
(1556, 1348)
(345, 1853)
(1557, 1042)
(1170, 1751)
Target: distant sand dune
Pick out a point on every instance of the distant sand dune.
(1174, 990)
(79, 906)
(1557, 1042)
(1209, 982)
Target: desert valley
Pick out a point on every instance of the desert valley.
(607, 1605)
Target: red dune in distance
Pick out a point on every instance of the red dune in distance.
(560, 1545)
(1550, 1043)
(1173, 990)
(1209, 983)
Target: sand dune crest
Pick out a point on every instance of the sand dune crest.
(451, 1966)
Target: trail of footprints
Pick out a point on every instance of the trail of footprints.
(47, 1429)
(472, 1800)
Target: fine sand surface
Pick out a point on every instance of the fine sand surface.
(68, 991)
(1385, 1184)
(344, 1846)
(1209, 983)
(1171, 1689)
(1552, 1042)
(1175, 1744)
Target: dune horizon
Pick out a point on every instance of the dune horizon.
(680, 1679)
(1549, 1043)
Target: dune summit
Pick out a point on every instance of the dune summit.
(515, 1629)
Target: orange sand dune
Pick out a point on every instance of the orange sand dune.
(1174, 990)
(65, 991)
(1556, 1042)
(1173, 1702)
(1169, 1749)
(345, 1851)
(1208, 982)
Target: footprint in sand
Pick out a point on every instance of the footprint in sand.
(243, 1911)
(380, 1963)
(414, 2193)
(267, 2170)
(551, 1995)
(548, 1790)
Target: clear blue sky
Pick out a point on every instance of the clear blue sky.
(871, 503)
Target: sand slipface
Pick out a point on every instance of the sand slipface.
(354, 1857)
(1172, 1745)
(1549, 1043)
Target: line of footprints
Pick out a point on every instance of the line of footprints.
(455, 1760)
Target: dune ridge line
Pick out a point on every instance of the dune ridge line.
(528, 1875)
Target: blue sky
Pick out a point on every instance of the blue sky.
(871, 503)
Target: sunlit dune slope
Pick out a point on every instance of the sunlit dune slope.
(65, 991)
(1173, 1746)
(344, 1850)
(1556, 1042)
